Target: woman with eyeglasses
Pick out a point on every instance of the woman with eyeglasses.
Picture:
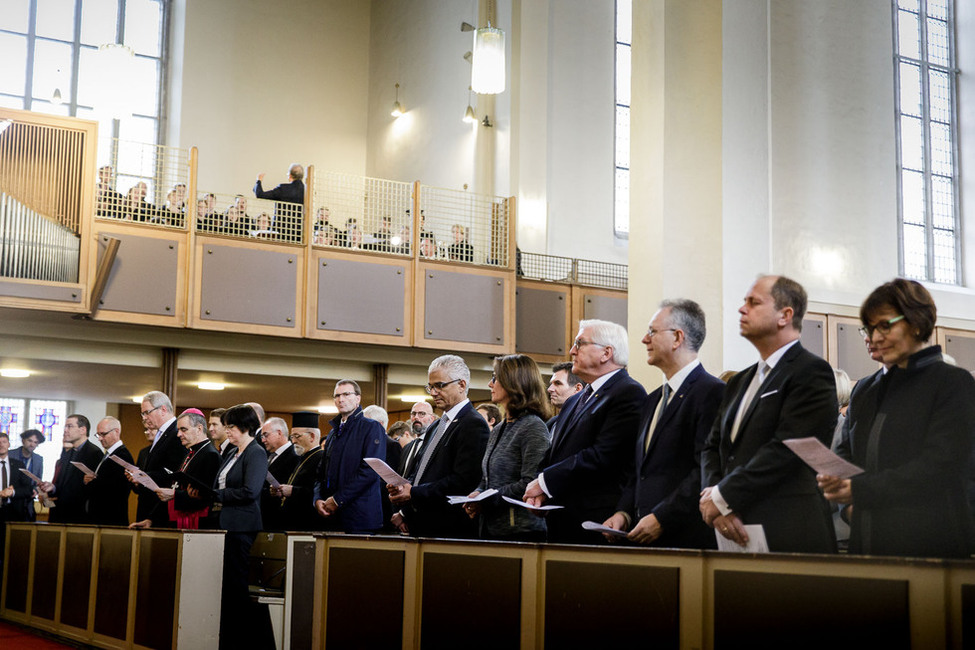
(514, 451)
(910, 429)
(237, 498)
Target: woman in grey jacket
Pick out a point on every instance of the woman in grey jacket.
(514, 450)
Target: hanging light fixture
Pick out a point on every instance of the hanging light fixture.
(469, 115)
(397, 107)
(487, 74)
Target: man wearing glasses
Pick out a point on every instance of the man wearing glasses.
(67, 488)
(347, 492)
(107, 492)
(421, 416)
(450, 464)
(594, 437)
(165, 453)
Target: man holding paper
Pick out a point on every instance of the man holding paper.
(15, 491)
(659, 505)
(281, 463)
(68, 488)
(107, 490)
(749, 475)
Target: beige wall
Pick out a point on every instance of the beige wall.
(265, 84)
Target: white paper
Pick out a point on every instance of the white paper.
(84, 468)
(516, 502)
(273, 482)
(756, 541)
(385, 472)
(599, 528)
(33, 477)
(140, 477)
(490, 492)
(820, 458)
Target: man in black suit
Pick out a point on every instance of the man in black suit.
(16, 490)
(749, 476)
(289, 200)
(68, 488)
(585, 468)
(296, 494)
(282, 461)
(107, 493)
(451, 462)
(218, 434)
(421, 417)
(563, 385)
(165, 456)
(659, 506)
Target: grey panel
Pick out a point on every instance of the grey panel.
(241, 285)
(463, 307)
(540, 321)
(39, 291)
(962, 348)
(851, 353)
(812, 337)
(360, 297)
(608, 308)
(144, 276)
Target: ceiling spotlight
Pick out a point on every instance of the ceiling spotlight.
(469, 115)
(466, 27)
(14, 373)
(419, 397)
(487, 121)
(210, 385)
(397, 108)
(469, 57)
(328, 410)
(56, 97)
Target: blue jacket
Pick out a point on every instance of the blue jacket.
(344, 476)
(241, 509)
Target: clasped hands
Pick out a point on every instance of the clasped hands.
(326, 507)
(730, 526)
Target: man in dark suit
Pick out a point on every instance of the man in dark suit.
(32, 461)
(289, 200)
(68, 488)
(563, 385)
(107, 493)
(749, 476)
(421, 417)
(585, 468)
(164, 457)
(450, 463)
(296, 494)
(282, 461)
(659, 506)
(15, 491)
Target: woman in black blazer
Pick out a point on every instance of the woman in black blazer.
(910, 429)
(237, 498)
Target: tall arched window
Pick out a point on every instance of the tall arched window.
(927, 144)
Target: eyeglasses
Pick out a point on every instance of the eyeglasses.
(345, 394)
(146, 413)
(652, 332)
(101, 434)
(883, 327)
(578, 344)
(439, 385)
(417, 414)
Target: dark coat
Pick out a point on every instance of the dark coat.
(281, 469)
(240, 501)
(16, 509)
(298, 510)
(911, 430)
(453, 469)
(36, 468)
(108, 493)
(202, 467)
(760, 478)
(667, 481)
(592, 446)
(167, 454)
(345, 477)
(69, 488)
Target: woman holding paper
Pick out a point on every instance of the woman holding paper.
(514, 450)
(910, 427)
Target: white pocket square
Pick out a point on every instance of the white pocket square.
(771, 392)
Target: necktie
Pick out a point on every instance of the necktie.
(656, 416)
(414, 450)
(428, 454)
(3, 474)
(749, 397)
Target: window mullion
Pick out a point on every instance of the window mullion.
(927, 142)
(75, 60)
(31, 37)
